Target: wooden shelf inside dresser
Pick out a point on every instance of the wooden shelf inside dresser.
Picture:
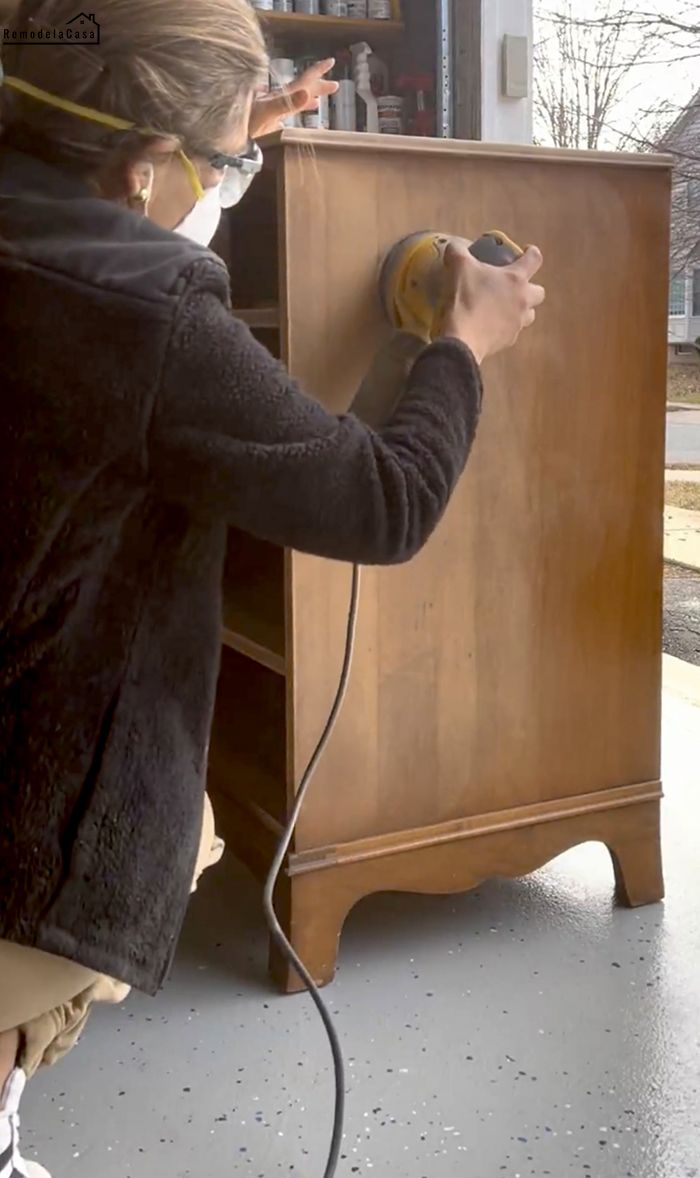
(253, 607)
(247, 755)
(266, 316)
(334, 30)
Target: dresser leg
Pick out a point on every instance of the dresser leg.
(312, 910)
(637, 859)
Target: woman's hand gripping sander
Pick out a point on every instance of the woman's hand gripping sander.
(433, 285)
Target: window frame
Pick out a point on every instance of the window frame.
(693, 193)
(677, 280)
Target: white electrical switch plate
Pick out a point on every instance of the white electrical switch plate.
(516, 66)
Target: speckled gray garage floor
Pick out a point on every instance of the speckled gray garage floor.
(527, 1029)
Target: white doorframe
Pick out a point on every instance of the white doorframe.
(482, 111)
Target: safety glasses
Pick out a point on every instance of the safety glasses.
(239, 172)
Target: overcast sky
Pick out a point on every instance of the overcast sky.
(667, 77)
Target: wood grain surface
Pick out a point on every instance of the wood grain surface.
(517, 659)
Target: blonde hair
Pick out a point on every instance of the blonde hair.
(183, 68)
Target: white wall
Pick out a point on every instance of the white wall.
(504, 120)
(682, 330)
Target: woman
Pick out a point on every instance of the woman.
(138, 420)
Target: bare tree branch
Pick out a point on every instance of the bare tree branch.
(659, 22)
(586, 75)
(583, 71)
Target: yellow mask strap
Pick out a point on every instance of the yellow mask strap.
(97, 116)
(193, 174)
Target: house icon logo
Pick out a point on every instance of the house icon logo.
(82, 29)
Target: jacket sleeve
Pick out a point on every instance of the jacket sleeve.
(232, 435)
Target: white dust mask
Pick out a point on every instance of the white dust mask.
(202, 221)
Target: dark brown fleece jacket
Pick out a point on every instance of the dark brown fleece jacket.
(138, 419)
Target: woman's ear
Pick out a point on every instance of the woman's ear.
(140, 179)
(129, 176)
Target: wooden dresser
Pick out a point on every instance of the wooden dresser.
(505, 696)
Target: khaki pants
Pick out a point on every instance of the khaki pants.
(49, 999)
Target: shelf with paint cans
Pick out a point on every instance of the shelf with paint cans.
(385, 61)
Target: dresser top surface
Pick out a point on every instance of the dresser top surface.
(407, 145)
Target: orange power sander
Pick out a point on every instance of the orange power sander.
(413, 290)
(412, 279)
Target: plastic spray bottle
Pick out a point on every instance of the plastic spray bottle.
(368, 117)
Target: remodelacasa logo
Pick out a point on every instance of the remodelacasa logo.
(82, 29)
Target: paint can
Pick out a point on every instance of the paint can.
(343, 107)
(282, 74)
(390, 112)
(318, 120)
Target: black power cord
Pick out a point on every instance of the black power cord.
(274, 925)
